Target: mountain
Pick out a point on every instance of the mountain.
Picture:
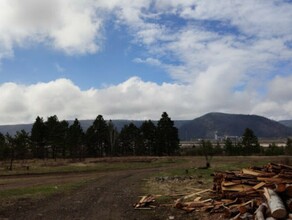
(287, 123)
(119, 124)
(11, 129)
(203, 127)
(232, 125)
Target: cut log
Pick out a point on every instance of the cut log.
(236, 188)
(197, 199)
(285, 166)
(285, 176)
(144, 202)
(274, 179)
(260, 212)
(280, 187)
(288, 190)
(275, 204)
(228, 213)
(259, 185)
(237, 217)
(250, 172)
(289, 204)
(195, 194)
(226, 184)
(195, 204)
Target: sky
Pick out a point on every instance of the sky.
(136, 59)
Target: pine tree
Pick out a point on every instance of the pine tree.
(167, 136)
(97, 137)
(129, 140)
(288, 148)
(250, 144)
(75, 140)
(38, 133)
(148, 135)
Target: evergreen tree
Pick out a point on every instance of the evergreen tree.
(229, 147)
(274, 150)
(4, 151)
(21, 142)
(288, 148)
(218, 149)
(148, 135)
(97, 137)
(207, 150)
(167, 136)
(63, 137)
(10, 143)
(38, 133)
(129, 140)
(250, 144)
(113, 135)
(75, 140)
(55, 136)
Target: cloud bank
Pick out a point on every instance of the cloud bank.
(133, 99)
(224, 56)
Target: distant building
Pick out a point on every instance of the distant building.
(235, 139)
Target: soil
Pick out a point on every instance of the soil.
(106, 196)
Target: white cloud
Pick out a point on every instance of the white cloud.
(149, 60)
(277, 103)
(71, 26)
(221, 56)
(132, 99)
(136, 99)
(280, 88)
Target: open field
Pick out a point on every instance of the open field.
(106, 188)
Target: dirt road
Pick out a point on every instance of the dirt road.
(109, 196)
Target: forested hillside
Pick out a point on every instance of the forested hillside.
(232, 125)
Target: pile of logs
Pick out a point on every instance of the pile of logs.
(146, 202)
(254, 193)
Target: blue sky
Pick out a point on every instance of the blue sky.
(134, 60)
(114, 64)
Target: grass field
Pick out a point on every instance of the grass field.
(182, 174)
(189, 177)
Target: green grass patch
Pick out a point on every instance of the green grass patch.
(40, 191)
(93, 166)
(199, 178)
(217, 164)
(164, 199)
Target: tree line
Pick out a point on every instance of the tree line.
(57, 139)
(248, 144)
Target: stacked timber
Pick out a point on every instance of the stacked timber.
(267, 190)
(252, 193)
(260, 193)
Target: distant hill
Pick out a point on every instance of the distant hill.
(232, 125)
(119, 124)
(287, 123)
(202, 127)
(11, 129)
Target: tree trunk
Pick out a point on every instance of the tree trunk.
(11, 163)
(11, 159)
(275, 204)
